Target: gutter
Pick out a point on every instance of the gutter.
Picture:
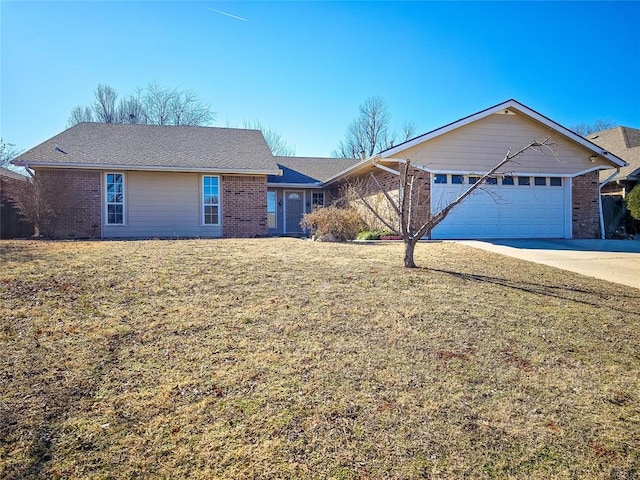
(148, 168)
(601, 215)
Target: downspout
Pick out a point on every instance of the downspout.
(600, 200)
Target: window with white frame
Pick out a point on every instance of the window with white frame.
(211, 200)
(114, 198)
(317, 199)
(271, 209)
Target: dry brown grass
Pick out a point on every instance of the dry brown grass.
(280, 358)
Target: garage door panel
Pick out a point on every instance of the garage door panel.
(497, 211)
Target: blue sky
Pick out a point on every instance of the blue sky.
(304, 67)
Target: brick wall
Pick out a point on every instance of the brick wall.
(585, 208)
(77, 194)
(390, 183)
(244, 205)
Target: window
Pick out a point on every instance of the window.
(457, 179)
(317, 199)
(492, 181)
(271, 209)
(540, 181)
(211, 200)
(507, 181)
(556, 181)
(115, 198)
(440, 178)
(524, 181)
(473, 180)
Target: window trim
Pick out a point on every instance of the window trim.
(275, 210)
(107, 202)
(440, 178)
(558, 181)
(203, 205)
(315, 204)
(524, 181)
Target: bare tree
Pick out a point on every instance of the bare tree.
(8, 152)
(274, 139)
(131, 110)
(188, 109)
(154, 105)
(584, 129)
(104, 105)
(410, 216)
(370, 132)
(80, 114)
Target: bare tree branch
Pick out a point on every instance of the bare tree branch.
(104, 106)
(370, 131)
(274, 139)
(80, 114)
(584, 129)
(409, 209)
(154, 105)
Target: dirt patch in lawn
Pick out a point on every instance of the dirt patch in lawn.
(281, 358)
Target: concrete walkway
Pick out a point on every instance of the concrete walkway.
(613, 260)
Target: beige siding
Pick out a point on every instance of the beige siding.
(162, 204)
(479, 146)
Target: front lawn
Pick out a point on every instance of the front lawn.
(282, 358)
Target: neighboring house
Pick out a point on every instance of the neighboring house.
(551, 194)
(623, 142)
(12, 224)
(299, 190)
(165, 181)
(158, 181)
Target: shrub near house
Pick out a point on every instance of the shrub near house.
(333, 223)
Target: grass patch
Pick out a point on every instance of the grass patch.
(280, 358)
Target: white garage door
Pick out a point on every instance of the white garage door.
(507, 207)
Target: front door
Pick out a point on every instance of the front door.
(293, 210)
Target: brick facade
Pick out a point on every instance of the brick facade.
(78, 198)
(244, 206)
(390, 182)
(586, 207)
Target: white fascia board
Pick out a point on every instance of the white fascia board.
(112, 167)
(317, 185)
(618, 162)
(352, 169)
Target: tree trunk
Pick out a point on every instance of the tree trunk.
(409, 247)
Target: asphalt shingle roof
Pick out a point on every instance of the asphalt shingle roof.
(624, 142)
(155, 147)
(309, 170)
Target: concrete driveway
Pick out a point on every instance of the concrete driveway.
(613, 260)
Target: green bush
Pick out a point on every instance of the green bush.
(340, 223)
(633, 202)
(374, 234)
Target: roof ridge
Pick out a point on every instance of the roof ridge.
(152, 125)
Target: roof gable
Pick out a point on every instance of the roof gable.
(309, 170)
(508, 107)
(154, 147)
(624, 142)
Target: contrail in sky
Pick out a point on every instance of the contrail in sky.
(227, 14)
